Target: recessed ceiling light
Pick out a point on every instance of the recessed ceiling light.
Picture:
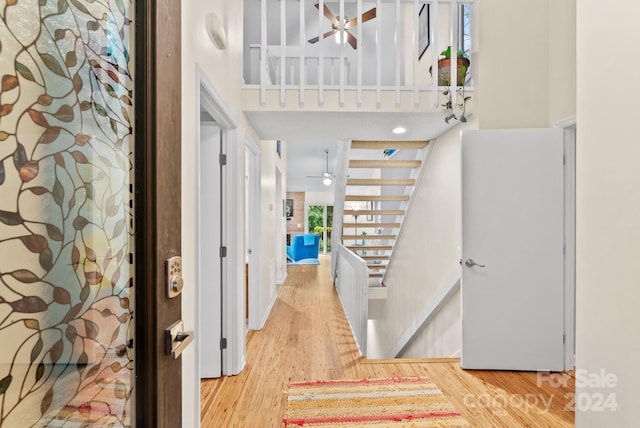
(399, 130)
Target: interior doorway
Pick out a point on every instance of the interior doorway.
(229, 342)
(253, 172)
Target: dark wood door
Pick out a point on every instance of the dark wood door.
(158, 226)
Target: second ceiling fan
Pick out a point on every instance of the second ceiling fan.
(348, 24)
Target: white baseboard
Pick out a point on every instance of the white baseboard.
(268, 312)
(281, 281)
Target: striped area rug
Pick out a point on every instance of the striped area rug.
(397, 402)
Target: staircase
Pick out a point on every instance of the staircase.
(381, 176)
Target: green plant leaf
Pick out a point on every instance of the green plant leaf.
(46, 401)
(24, 71)
(9, 218)
(35, 351)
(46, 259)
(52, 64)
(25, 276)
(54, 233)
(5, 383)
(39, 371)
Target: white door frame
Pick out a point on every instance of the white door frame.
(233, 300)
(325, 212)
(209, 226)
(254, 157)
(569, 127)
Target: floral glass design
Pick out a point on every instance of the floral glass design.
(66, 213)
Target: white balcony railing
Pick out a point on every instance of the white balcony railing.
(352, 277)
(392, 51)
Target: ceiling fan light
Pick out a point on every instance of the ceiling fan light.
(326, 181)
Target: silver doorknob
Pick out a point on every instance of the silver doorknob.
(471, 263)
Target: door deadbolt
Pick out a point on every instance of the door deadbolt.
(175, 283)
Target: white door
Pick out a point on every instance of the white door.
(210, 240)
(512, 249)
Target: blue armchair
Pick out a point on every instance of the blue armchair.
(304, 246)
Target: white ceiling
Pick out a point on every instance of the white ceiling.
(308, 134)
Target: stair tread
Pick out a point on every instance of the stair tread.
(370, 237)
(376, 198)
(369, 247)
(359, 144)
(380, 257)
(385, 163)
(381, 182)
(374, 212)
(369, 225)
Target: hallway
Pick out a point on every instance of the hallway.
(307, 338)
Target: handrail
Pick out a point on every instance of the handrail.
(352, 278)
(338, 205)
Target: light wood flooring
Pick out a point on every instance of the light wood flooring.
(307, 338)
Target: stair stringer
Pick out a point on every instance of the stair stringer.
(417, 174)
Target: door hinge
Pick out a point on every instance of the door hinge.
(564, 339)
(222, 159)
(223, 252)
(564, 159)
(223, 343)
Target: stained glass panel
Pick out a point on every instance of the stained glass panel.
(66, 213)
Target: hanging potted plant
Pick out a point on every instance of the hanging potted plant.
(444, 67)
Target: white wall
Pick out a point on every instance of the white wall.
(512, 74)
(273, 226)
(562, 59)
(425, 257)
(224, 70)
(319, 198)
(608, 209)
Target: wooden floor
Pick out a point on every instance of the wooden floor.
(307, 338)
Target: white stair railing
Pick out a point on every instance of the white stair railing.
(338, 205)
(392, 65)
(352, 276)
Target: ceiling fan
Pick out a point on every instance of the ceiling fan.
(327, 177)
(347, 23)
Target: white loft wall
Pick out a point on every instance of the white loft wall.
(512, 74)
(425, 257)
(608, 209)
(562, 60)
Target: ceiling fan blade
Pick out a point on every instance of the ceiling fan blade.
(324, 36)
(352, 40)
(330, 16)
(370, 14)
